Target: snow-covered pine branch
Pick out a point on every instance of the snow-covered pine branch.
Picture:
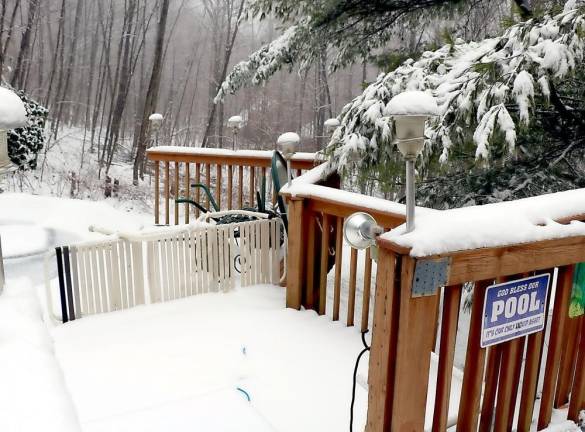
(267, 60)
(486, 91)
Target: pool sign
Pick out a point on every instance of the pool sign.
(514, 309)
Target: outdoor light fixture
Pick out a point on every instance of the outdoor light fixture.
(155, 124)
(360, 230)
(12, 116)
(287, 144)
(410, 111)
(235, 123)
(331, 124)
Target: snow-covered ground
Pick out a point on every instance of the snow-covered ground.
(189, 364)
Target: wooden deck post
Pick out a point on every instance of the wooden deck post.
(296, 254)
(383, 348)
(577, 402)
(416, 324)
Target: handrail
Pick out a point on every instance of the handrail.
(233, 177)
(256, 158)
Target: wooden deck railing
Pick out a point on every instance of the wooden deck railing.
(499, 382)
(233, 177)
(316, 214)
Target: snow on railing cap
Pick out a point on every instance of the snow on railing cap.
(12, 110)
(413, 103)
(155, 117)
(288, 137)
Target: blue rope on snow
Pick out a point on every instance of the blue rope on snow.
(245, 393)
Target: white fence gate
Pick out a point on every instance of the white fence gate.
(126, 270)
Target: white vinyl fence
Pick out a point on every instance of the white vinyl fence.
(126, 270)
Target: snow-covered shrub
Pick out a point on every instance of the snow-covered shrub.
(24, 144)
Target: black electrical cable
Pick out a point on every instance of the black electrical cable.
(357, 363)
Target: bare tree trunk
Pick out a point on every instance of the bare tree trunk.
(153, 89)
(228, 53)
(19, 70)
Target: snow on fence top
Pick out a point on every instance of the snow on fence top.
(204, 151)
(12, 111)
(493, 225)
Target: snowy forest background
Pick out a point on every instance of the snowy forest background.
(101, 67)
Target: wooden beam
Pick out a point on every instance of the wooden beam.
(383, 348)
(416, 322)
(343, 209)
(474, 364)
(489, 263)
(451, 303)
(577, 402)
(296, 254)
(556, 343)
(235, 158)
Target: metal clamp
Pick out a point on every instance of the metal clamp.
(429, 276)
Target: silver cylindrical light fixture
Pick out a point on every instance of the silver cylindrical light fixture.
(287, 144)
(360, 230)
(410, 111)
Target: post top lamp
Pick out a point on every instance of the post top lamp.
(156, 120)
(331, 124)
(235, 122)
(287, 143)
(12, 116)
(410, 110)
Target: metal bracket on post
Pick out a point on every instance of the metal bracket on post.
(429, 276)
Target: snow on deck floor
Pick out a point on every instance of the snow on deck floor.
(177, 366)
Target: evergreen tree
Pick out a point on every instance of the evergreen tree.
(511, 122)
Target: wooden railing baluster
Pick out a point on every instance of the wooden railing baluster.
(252, 187)
(230, 203)
(324, 262)
(338, 264)
(240, 186)
(208, 183)
(167, 197)
(474, 364)
(367, 289)
(352, 286)
(176, 190)
(451, 302)
(218, 184)
(156, 192)
(563, 292)
(187, 191)
(197, 191)
(577, 402)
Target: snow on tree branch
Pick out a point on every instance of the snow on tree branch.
(486, 91)
(263, 63)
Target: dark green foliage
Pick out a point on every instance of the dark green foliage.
(24, 144)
